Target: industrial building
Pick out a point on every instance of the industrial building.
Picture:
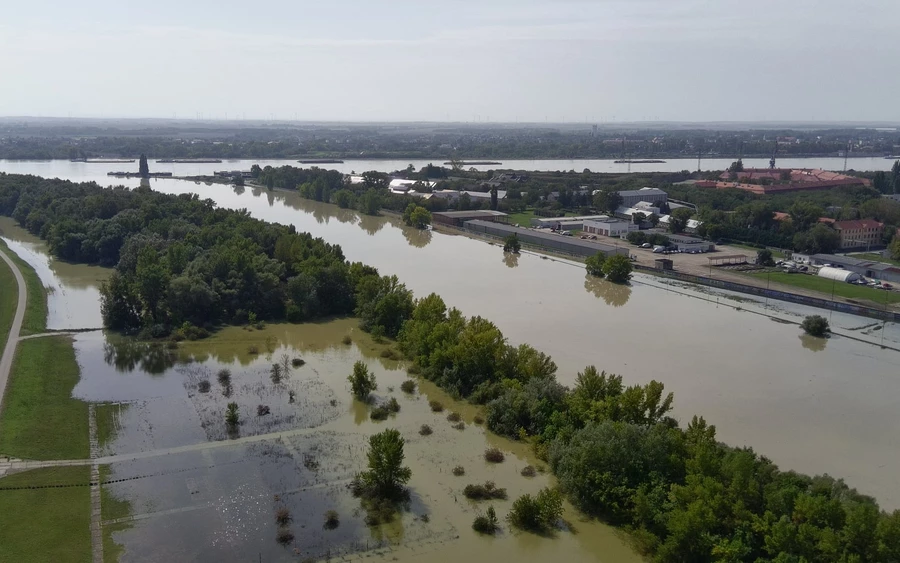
(868, 268)
(609, 227)
(690, 244)
(548, 241)
(564, 223)
(838, 274)
(457, 218)
(651, 195)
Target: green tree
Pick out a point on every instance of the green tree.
(538, 513)
(895, 177)
(617, 268)
(805, 214)
(607, 199)
(143, 167)
(416, 216)
(764, 257)
(512, 244)
(678, 220)
(343, 199)
(594, 264)
(152, 277)
(636, 238)
(895, 248)
(736, 166)
(362, 382)
(370, 202)
(232, 416)
(386, 475)
(815, 325)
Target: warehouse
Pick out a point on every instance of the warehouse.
(457, 218)
(564, 223)
(868, 268)
(548, 241)
(838, 274)
(690, 244)
(609, 227)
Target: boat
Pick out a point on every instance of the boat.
(321, 161)
(644, 161)
(188, 161)
(102, 160)
(475, 163)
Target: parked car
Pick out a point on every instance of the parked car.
(646, 245)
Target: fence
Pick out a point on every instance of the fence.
(881, 314)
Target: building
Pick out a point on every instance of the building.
(609, 227)
(766, 181)
(868, 268)
(454, 195)
(691, 226)
(564, 223)
(545, 240)
(457, 218)
(859, 233)
(652, 195)
(690, 244)
(838, 274)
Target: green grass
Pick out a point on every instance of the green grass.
(49, 524)
(35, 320)
(841, 289)
(875, 257)
(108, 422)
(39, 417)
(8, 299)
(523, 218)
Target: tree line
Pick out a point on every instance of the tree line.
(615, 449)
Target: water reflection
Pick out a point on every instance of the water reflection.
(127, 354)
(511, 259)
(418, 238)
(813, 343)
(613, 294)
(371, 224)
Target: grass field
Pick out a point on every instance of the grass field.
(875, 257)
(8, 299)
(48, 524)
(841, 289)
(35, 320)
(39, 417)
(523, 219)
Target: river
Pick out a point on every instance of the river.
(810, 405)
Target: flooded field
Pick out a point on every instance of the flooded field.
(816, 406)
(182, 487)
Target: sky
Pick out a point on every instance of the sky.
(596, 61)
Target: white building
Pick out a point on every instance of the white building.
(609, 227)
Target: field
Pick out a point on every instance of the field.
(8, 299)
(57, 527)
(40, 419)
(35, 320)
(825, 286)
(523, 218)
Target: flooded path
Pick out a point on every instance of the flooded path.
(811, 405)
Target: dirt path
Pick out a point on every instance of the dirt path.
(10, 350)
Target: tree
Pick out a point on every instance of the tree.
(895, 177)
(539, 513)
(232, 417)
(511, 244)
(764, 257)
(594, 264)
(416, 216)
(815, 325)
(821, 239)
(617, 268)
(362, 382)
(678, 220)
(638, 218)
(895, 249)
(143, 167)
(370, 202)
(386, 475)
(804, 214)
(636, 238)
(607, 199)
(736, 166)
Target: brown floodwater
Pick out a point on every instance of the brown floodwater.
(209, 504)
(811, 405)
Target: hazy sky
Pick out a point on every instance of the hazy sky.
(461, 60)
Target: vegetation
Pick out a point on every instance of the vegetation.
(594, 264)
(487, 523)
(764, 257)
(425, 430)
(487, 491)
(416, 216)
(386, 476)
(639, 237)
(283, 516)
(493, 455)
(512, 244)
(454, 417)
(232, 416)
(40, 419)
(528, 471)
(332, 521)
(8, 300)
(362, 382)
(815, 325)
(617, 268)
(827, 286)
(45, 515)
(408, 386)
(459, 471)
(35, 320)
(539, 513)
(436, 406)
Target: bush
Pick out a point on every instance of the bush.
(815, 325)
(346, 339)
(232, 417)
(224, 377)
(486, 524)
(392, 405)
(512, 244)
(493, 455)
(408, 386)
(459, 425)
(362, 382)
(529, 407)
(537, 514)
(253, 350)
(425, 430)
(331, 520)
(636, 237)
(459, 471)
(436, 406)
(528, 471)
(283, 516)
(262, 410)
(204, 386)
(390, 354)
(379, 413)
(488, 491)
(297, 362)
(284, 536)
(454, 417)
(478, 419)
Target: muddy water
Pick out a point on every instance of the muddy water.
(207, 503)
(72, 289)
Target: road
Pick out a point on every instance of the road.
(10, 350)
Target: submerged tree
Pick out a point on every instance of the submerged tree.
(386, 475)
(617, 269)
(594, 264)
(512, 244)
(815, 325)
(362, 381)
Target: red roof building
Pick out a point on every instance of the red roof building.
(859, 233)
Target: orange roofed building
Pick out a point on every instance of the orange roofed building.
(783, 180)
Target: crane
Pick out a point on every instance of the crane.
(774, 152)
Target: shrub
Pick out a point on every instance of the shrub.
(459, 425)
(478, 419)
(390, 354)
(486, 524)
(539, 513)
(283, 516)
(346, 339)
(425, 430)
(487, 491)
(262, 410)
(232, 417)
(493, 455)
(331, 520)
(815, 325)
(436, 406)
(512, 244)
(379, 413)
(414, 370)
(224, 376)
(459, 471)
(408, 386)
(204, 386)
(253, 350)
(297, 362)
(393, 406)
(276, 373)
(528, 471)
(284, 536)
(454, 417)
(362, 381)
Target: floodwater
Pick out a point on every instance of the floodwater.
(73, 294)
(198, 492)
(810, 405)
(96, 172)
